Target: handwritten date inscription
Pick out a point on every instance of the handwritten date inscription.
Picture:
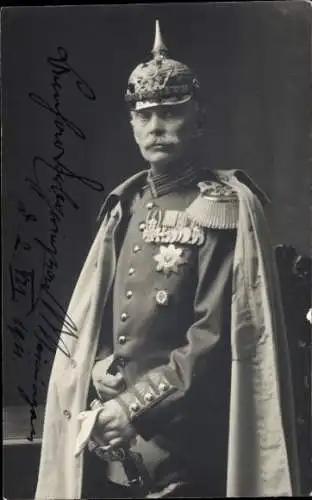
(51, 187)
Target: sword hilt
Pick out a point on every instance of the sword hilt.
(135, 470)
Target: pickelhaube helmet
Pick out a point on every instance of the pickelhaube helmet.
(160, 81)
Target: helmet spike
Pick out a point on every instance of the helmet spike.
(160, 81)
(159, 47)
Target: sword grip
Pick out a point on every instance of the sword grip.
(135, 470)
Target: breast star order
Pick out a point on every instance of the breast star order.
(169, 258)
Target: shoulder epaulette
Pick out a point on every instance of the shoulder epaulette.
(215, 207)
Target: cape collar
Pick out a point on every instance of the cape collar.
(162, 184)
(134, 182)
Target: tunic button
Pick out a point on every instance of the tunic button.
(129, 294)
(122, 339)
(131, 271)
(136, 248)
(149, 205)
(67, 414)
(142, 226)
(124, 316)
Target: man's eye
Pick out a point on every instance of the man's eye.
(143, 117)
(168, 113)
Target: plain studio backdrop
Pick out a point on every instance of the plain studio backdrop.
(253, 62)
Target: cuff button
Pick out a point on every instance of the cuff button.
(148, 397)
(134, 407)
(163, 387)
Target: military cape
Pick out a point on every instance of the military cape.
(262, 454)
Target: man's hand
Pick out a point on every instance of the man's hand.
(112, 428)
(107, 386)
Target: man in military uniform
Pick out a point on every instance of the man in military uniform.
(177, 402)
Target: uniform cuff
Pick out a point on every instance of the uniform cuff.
(147, 393)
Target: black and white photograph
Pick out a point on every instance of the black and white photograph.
(156, 250)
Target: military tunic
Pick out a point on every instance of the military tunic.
(171, 325)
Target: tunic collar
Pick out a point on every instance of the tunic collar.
(165, 182)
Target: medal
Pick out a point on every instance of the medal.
(162, 297)
(169, 258)
(171, 227)
(148, 235)
(173, 236)
(182, 220)
(186, 233)
(179, 236)
(170, 218)
(157, 235)
(197, 237)
(165, 237)
(152, 226)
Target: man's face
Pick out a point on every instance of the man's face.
(164, 133)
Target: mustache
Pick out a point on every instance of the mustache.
(159, 142)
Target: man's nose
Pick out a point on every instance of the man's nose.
(155, 124)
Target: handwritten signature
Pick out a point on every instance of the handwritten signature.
(32, 287)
